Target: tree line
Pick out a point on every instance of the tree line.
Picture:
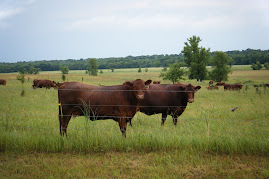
(244, 57)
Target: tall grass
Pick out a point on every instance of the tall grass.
(30, 123)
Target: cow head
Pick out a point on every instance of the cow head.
(138, 87)
(189, 91)
(54, 84)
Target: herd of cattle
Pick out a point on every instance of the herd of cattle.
(121, 102)
(236, 86)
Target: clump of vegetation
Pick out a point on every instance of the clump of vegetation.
(64, 70)
(174, 73)
(92, 67)
(221, 69)
(21, 78)
(256, 66)
(266, 66)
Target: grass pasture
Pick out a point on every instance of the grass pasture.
(209, 140)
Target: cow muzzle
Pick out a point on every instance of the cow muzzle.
(191, 100)
(140, 97)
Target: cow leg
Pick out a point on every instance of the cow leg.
(177, 113)
(175, 119)
(164, 115)
(130, 123)
(64, 120)
(123, 126)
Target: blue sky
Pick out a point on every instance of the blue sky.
(68, 29)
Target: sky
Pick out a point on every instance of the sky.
(33, 30)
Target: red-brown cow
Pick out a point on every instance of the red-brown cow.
(220, 84)
(3, 82)
(168, 100)
(236, 86)
(212, 87)
(211, 82)
(43, 83)
(100, 102)
(156, 82)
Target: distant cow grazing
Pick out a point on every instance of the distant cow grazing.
(156, 82)
(220, 84)
(267, 85)
(211, 82)
(3, 82)
(44, 83)
(168, 100)
(100, 102)
(236, 86)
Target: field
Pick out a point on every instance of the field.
(209, 140)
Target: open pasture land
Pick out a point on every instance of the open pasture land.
(209, 139)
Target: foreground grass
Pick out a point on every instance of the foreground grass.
(173, 164)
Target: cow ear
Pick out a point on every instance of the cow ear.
(129, 83)
(197, 88)
(148, 82)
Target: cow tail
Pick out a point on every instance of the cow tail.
(60, 112)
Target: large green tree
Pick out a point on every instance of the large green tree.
(174, 73)
(219, 62)
(196, 58)
(93, 67)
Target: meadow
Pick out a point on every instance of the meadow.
(209, 140)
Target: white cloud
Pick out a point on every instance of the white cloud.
(159, 21)
(12, 8)
(141, 14)
(4, 14)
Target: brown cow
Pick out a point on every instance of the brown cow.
(236, 86)
(3, 82)
(220, 84)
(267, 85)
(156, 82)
(100, 102)
(168, 100)
(43, 83)
(212, 87)
(211, 82)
